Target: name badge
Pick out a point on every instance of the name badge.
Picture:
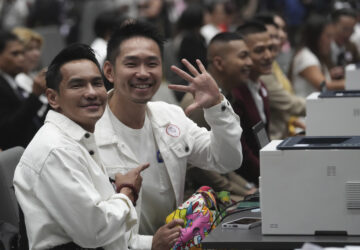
(173, 130)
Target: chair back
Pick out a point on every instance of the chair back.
(9, 207)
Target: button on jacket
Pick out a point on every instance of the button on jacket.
(180, 141)
(65, 192)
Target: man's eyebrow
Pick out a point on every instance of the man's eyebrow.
(137, 58)
(75, 80)
(78, 80)
(131, 58)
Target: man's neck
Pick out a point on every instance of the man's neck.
(129, 113)
(338, 44)
(254, 76)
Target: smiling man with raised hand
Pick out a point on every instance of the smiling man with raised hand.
(60, 183)
(135, 130)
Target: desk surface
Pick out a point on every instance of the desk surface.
(253, 238)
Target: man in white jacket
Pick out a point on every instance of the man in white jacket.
(134, 130)
(60, 183)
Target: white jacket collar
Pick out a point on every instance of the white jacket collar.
(66, 125)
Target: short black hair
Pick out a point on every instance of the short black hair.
(211, 4)
(251, 27)
(267, 18)
(130, 29)
(76, 51)
(336, 14)
(106, 22)
(226, 37)
(5, 37)
(191, 18)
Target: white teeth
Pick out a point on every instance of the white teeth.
(143, 86)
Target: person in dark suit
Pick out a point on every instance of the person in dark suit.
(18, 119)
(250, 100)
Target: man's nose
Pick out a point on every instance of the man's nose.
(143, 72)
(90, 91)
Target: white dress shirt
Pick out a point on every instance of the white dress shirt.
(65, 192)
(254, 88)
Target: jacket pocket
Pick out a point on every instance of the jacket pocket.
(182, 148)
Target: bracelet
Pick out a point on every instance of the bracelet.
(133, 189)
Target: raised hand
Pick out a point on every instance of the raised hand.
(39, 85)
(202, 86)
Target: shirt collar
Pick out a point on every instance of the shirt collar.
(9, 79)
(66, 125)
(254, 85)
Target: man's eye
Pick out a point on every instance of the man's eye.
(99, 83)
(153, 64)
(130, 64)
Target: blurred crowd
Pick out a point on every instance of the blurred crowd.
(312, 43)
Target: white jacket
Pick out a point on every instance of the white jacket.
(65, 193)
(180, 142)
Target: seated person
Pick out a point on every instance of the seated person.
(229, 63)
(250, 100)
(134, 130)
(343, 50)
(18, 113)
(60, 183)
(311, 66)
(32, 42)
(282, 101)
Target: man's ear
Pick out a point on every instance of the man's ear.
(53, 98)
(108, 71)
(218, 63)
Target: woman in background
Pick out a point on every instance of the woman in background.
(310, 68)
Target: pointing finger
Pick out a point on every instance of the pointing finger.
(143, 167)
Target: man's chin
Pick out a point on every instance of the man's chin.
(141, 101)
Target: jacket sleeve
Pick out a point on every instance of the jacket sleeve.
(282, 100)
(218, 149)
(140, 242)
(70, 197)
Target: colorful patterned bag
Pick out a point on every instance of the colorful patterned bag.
(199, 213)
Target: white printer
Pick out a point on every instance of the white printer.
(333, 113)
(352, 77)
(311, 186)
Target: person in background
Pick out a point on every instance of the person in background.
(343, 51)
(311, 64)
(18, 111)
(190, 44)
(134, 130)
(32, 42)
(215, 16)
(251, 100)
(229, 63)
(283, 103)
(104, 25)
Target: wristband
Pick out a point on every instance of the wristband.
(133, 189)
